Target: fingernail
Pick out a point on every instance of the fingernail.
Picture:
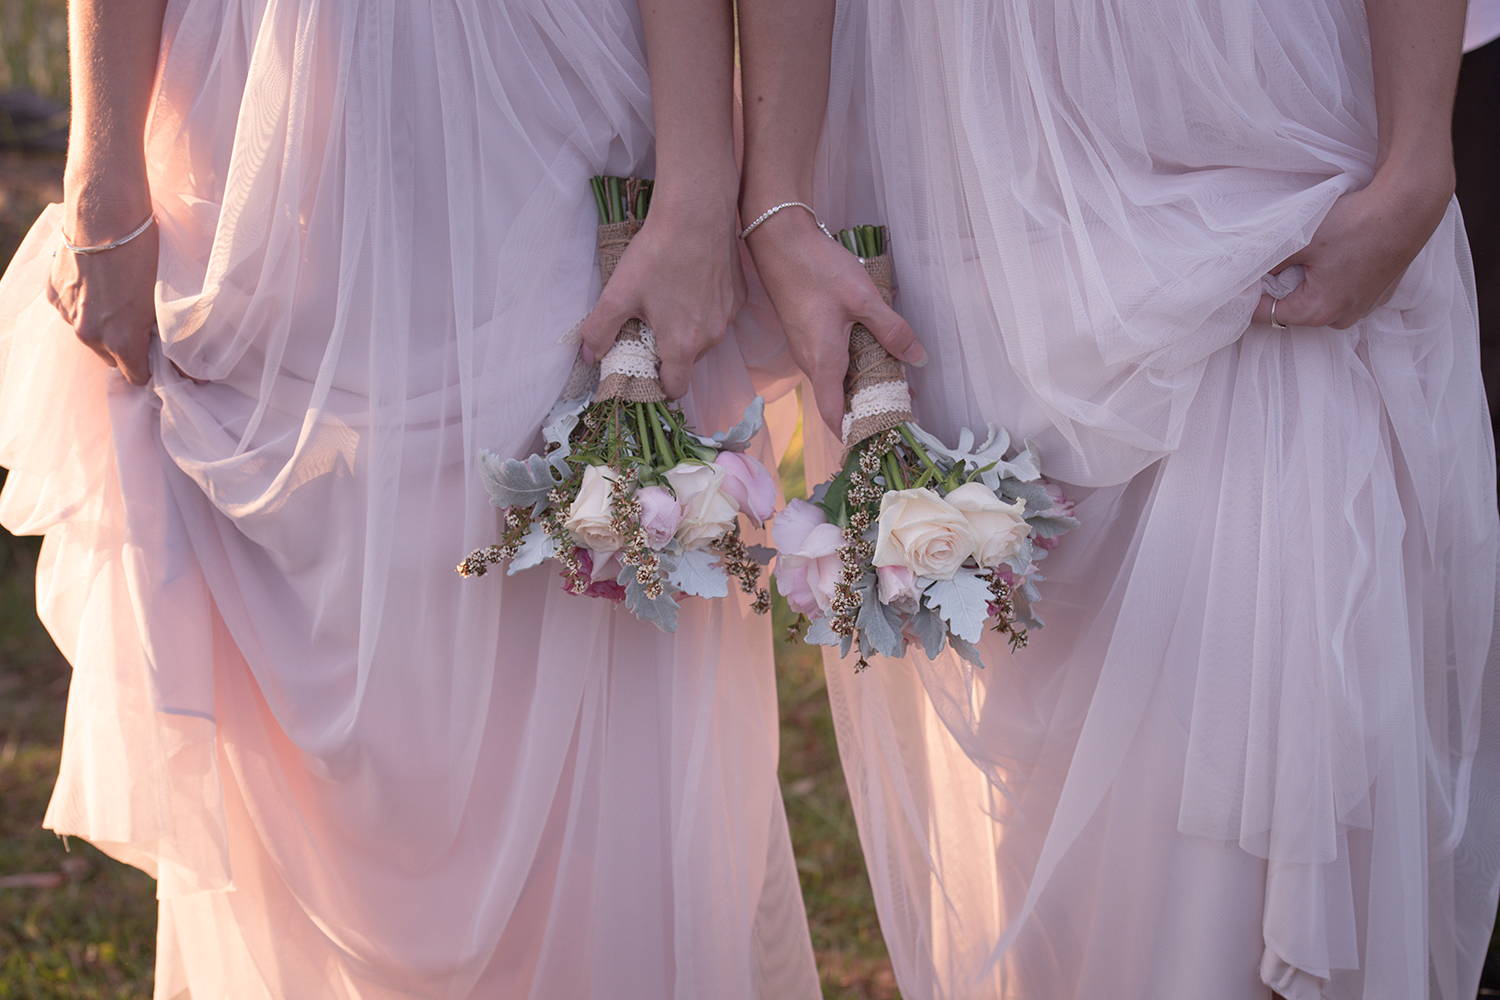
(588, 355)
(916, 357)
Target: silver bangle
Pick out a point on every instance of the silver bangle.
(110, 245)
(786, 204)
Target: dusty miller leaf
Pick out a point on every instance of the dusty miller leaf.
(820, 633)
(661, 612)
(876, 628)
(760, 553)
(513, 483)
(962, 601)
(697, 572)
(967, 650)
(536, 548)
(738, 437)
(932, 630)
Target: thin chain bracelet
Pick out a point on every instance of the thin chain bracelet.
(786, 204)
(67, 243)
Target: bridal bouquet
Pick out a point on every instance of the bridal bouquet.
(630, 503)
(913, 541)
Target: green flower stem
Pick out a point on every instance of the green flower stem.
(642, 436)
(658, 412)
(597, 183)
(927, 461)
(893, 471)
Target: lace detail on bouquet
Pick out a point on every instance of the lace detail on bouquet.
(632, 358)
(891, 400)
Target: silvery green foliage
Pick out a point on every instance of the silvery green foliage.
(931, 629)
(514, 483)
(1021, 600)
(561, 421)
(966, 649)
(738, 437)
(821, 633)
(661, 612)
(1035, 494)
(1025, 466)
(760, 553)
(963, 602)
(1024, 557)
(536, 548)
(696, 572)
(879, 626)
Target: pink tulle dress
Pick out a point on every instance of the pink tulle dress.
(1255, 746)
(354, 774)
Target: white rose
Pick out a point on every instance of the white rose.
(998, 527)
(589, 519)
(924, 533)
(707, 511)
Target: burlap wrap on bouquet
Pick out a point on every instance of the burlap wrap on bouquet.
(876, 397)
(628, 371)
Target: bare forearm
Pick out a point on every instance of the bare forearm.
(784, 53)
(113, 47)
(690, 57)
(1416, 46)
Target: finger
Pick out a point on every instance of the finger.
(1262, 312)
(676, 371)
(828, 393)
(600, 327)
(896, 336)
(135, 360)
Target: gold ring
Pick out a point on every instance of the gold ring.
(1279, 326)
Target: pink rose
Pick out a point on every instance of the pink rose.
(807, 559)
(751, 486)
(898, 588)
(660, 514)
(603, 577)
(1061, 505)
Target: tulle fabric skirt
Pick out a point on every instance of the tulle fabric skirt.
(1255, 745)
(353, 773)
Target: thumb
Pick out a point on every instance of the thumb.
(895, 335)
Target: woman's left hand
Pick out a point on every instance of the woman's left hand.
(1362, 249)
(680, 276)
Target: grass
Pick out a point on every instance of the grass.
(78, 926)
(34, 47)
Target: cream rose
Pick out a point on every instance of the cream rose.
(589, 518)
(924, 533)
(707, 511)
(999, 528)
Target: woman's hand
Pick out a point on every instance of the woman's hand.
(1362, 249)
(109, 299)
(820, 291)
(681, 277)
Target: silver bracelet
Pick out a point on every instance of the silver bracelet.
(786, 204)
(113, 243)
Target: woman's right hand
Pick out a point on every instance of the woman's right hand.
(820, 291)
(109, 298)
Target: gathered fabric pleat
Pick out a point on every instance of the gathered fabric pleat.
(1246, 751)
(354, 773)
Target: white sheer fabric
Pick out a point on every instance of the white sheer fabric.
(355, 774)
(1246, 749)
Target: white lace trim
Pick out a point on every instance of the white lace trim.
(637, 358)
(873, 400)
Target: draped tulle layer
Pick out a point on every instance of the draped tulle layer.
(1246, 750)
(354, 773)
